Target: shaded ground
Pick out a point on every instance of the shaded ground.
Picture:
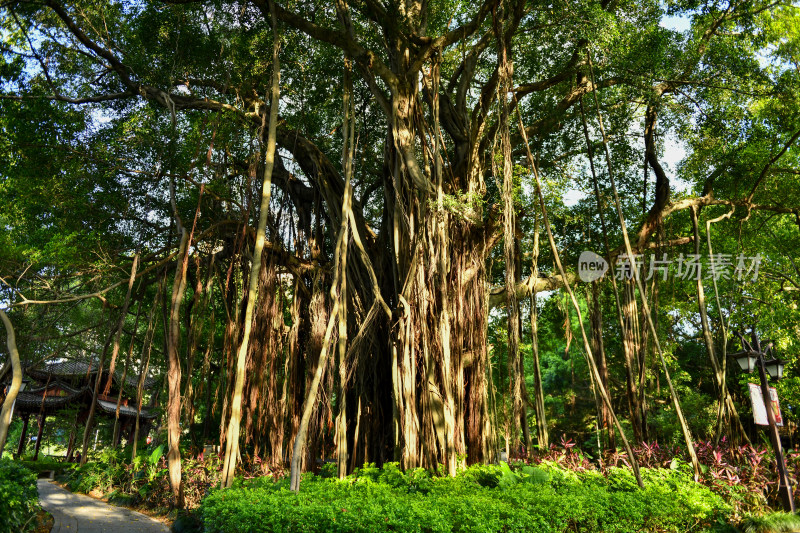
(76, 513)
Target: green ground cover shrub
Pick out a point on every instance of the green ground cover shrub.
(143, 481)
(19, 497)
(545, 498)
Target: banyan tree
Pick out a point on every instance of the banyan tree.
(316, 194)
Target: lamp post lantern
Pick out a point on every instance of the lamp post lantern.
(752, 356)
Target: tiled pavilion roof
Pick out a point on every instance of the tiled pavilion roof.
(57, 394)
(69, 369)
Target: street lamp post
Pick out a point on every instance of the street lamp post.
(753, 356)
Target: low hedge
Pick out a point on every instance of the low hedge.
(47, 464)
(481, 499)
(19, 497)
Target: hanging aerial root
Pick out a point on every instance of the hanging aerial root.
(646, 307)
(586, 344)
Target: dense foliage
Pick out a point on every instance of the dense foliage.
(19, 498)
(743, 477)
(144, 481)
(547, 498)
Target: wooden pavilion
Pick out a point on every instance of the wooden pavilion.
(50, 387)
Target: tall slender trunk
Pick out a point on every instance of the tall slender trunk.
(727, 409)
(443, 268)
(634, 406)
(736, 428)
(147, 347)
(339, 297)
(174, 374)
(348, 149)
(173, 347)
(116, 336)
(515, 374)
(232, 437)
(542, 433)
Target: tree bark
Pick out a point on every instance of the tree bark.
(348, 134)
(515, 375)
(174, 373)
(16, 380)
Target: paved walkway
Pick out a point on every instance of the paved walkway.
(75, 513)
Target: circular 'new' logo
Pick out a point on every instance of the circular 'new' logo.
(591, 266)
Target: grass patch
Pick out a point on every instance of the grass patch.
(771, 523)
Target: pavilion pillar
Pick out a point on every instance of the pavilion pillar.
(124, 431)
(117, 435)
(24, 436)
(79, 417)
(70, 446)
(39, 438)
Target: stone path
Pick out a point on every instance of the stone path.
(74, 513)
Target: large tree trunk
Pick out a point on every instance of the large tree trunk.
(16, 380)
(174, 374)
(441, 310)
